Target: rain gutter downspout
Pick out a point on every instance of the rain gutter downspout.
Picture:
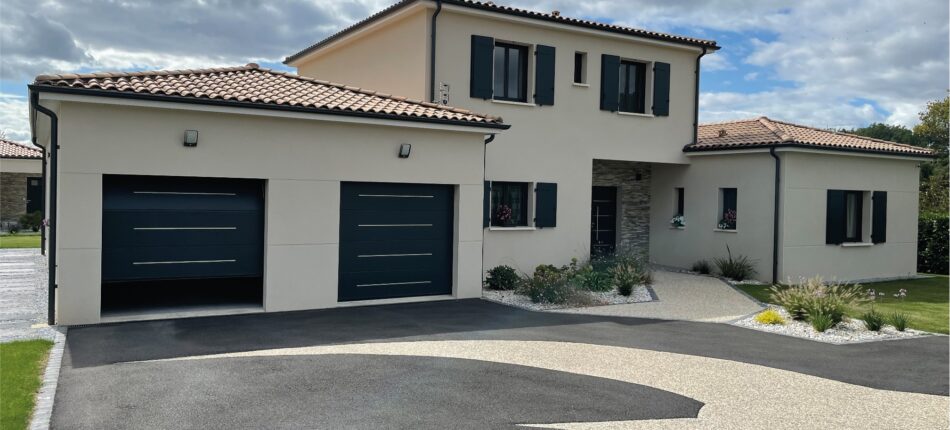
(488, 140)
(43, 174)
(51, 216)
(696, 100)
(438, 8)
(775, 216)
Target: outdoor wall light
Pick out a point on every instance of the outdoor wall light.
(191, 137)
(404, 150)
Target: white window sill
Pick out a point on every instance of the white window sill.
(508, 102)
(642, 115)
(673, 227)
(720, 230)
(578, 84)
(519, 228)
(856, 244)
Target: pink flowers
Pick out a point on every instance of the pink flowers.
(728, 221)
(503, 213)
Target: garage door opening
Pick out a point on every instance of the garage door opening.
(181, 244)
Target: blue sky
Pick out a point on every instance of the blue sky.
(826, 64)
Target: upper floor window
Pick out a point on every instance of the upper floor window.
(632, 87)
(510, 72)
(580, 67)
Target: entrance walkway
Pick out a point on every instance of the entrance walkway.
(683, 296)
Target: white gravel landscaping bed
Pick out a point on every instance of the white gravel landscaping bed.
(848, 331)
(640, 294)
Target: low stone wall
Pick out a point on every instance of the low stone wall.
(633, 200)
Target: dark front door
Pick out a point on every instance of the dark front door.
(164, 228)
(34, 194)
(603, 221)
(395, 240)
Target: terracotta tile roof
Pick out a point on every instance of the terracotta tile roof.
(490, 6)
(11, 149)
(765, 132)
(252, 86)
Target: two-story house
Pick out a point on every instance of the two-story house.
(353, 182)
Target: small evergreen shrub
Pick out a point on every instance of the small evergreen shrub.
(32, 220)
(899, 320)
(554, 290)
(502, 278)
(593, 280)
(821, 322)
(770, 316)
(873, 321)
(628, 275)
(702, 267)
(738, 268)
(933, 236)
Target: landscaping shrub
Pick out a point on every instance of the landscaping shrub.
(814, 296)
(32, 220)
(502, 278)
(873, 321)
(543, 289)
(738, 268)
(626, 276)
(821, 322)
(899, 320)
(933, 234)
(592, 280)
(547, 271)
(702, 267)
(770, 316)
(14, 229)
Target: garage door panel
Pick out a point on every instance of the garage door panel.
(395, 240)
(395, 283)
(373, 256)
(131, 228)
(176, 228)
(178, 262)
(394, 225)
(157, 193)
(383, 196)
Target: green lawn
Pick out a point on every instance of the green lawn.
(20, 240)
(21, 369)
(927, 303)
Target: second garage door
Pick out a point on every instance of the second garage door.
(395, 240)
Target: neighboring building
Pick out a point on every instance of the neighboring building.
(242, 189)
(21, 181)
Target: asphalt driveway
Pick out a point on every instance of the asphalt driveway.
(287, 371)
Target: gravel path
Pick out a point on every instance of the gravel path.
(23, 285)
(641, 293)
(684, 296)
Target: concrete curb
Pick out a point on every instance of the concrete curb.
(43, 411)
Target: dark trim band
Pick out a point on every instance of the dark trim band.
(806, 146)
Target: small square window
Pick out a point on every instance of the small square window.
(727, 208)
(509, 204)
(580, 67)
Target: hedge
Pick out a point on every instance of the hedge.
(933, 233)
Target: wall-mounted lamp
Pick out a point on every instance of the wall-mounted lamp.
(404, 150)
(191, 137)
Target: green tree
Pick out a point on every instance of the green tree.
(893, 133)
(934, 133)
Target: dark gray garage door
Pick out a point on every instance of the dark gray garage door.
(395, 240)
(157, 227)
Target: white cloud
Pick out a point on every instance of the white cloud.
(751, 76)
(15, 117)
(717, 61)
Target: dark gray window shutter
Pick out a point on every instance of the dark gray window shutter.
(661, 89)
(609, 82)
(486, 205)
(481, 74)
(879, 217)
(835, 218)
(544, 75)
(545, 205)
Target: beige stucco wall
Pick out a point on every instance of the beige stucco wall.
(392, 58)
(545, 144)
(21, 165)
(751, 174)
(559, 143)
(303, 162)
(808, 177)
